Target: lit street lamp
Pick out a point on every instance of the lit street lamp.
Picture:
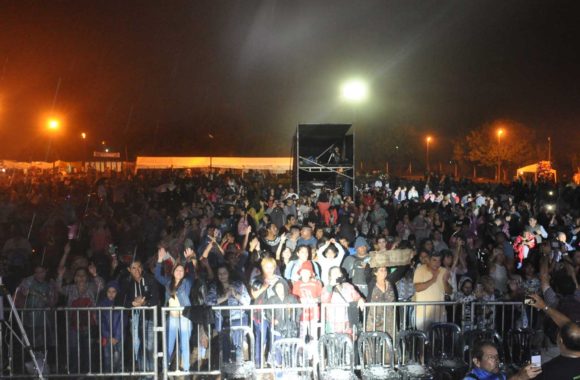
(354, 91)
(428, 140)
(84, 137)
(52, 125)
(499, 134)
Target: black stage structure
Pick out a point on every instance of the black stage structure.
(324, 156)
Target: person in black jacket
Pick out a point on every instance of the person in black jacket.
(141, 290)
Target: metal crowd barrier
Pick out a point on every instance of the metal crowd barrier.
(69, 341)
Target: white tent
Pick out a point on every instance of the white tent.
(533, 169)
(278, 164)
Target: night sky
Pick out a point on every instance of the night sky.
(159, 76)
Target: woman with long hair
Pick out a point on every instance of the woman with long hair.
(227, 292)
(177, 289)
(381, 318)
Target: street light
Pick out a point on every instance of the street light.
(84, 137)
(354, 91)
(499, 134)
(428, 140)
(53, 124)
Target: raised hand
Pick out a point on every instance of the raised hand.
(161, 252)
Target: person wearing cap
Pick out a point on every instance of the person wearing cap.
(356, 265)
(308, 291)
(112, 326)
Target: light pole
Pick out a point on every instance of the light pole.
(499, 134)
(549, 149)
(52, 125)
(354, 92)
(84, 137)
(428, 141)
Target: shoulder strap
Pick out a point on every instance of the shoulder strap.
(335, 289)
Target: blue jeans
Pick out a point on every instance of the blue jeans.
(138, 324)
(233, 345)
(112, 357)
(181, 326)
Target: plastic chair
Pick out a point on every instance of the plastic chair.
(447, 350)
(519, 346)
(411, 350)
(233, 363)
(335, 354)
(377, 356)
(288, 357)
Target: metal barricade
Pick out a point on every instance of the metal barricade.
(268, 322)
(505, 316)
(75, 342)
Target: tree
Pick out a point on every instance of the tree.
(515, 146)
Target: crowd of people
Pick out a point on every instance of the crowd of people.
(182, 239)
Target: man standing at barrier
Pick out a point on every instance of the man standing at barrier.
(139, 291)
(431, 284)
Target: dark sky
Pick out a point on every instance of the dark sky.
(159, 76)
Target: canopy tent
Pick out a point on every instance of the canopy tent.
(534, 169)
(278, 164)
(9, 164)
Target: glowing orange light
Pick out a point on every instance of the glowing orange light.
(499, 132)
(429, 139)
(53, 124)
(84, 135)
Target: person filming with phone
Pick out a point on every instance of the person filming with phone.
(486, 362)
(565, 366)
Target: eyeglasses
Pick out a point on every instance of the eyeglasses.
(492, 357)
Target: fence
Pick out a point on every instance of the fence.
(140, 341)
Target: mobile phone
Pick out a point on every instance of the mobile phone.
(536, 359)
(529, 301)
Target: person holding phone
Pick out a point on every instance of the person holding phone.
(486, 362)
(567, 364)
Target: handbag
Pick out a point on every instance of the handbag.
(353, 312)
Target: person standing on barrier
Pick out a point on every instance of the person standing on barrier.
(431, 284)
(177, 290)
(141, 290)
